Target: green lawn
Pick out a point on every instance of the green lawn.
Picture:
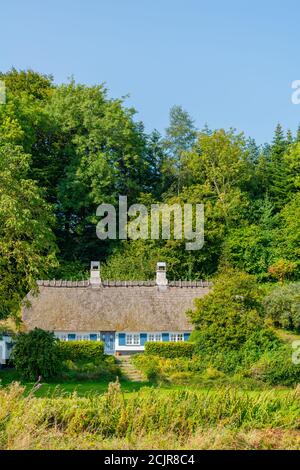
(83, 388)
(56, 387)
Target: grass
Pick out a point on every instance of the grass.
(286, 335)
(178, 419)
(64, 388)
(128, 415)
(56, 388)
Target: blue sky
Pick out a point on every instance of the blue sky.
(229, 63)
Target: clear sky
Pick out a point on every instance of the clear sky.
(229, 63)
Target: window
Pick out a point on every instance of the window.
(61, 336)
(93, 337)
(154, 337)
(83, 337)
(176, 337)
(71, 337)
(132, 339)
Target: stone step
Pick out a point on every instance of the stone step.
(128, 369)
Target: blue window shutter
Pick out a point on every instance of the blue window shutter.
(121, 339)
(93, 337)
(143, 338)
(71, 337)
(186, 336)
(165, 336)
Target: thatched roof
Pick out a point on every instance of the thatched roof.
(113, 306)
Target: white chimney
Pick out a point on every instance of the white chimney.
(161, 274)
(95, 278)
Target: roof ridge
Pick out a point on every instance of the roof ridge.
(110, 283)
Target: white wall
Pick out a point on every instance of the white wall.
(5, 349)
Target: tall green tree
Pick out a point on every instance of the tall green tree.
(27, 243)
(278, 171)
(180, 137)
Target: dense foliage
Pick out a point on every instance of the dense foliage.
(198, 419)
(65, 149)
(81, 350)
(36, 355)
(229, 314)
(282, 305)
(169, 349)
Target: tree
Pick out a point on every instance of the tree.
(219, 163)
(37, 355)
(287, 235)
(279, 186)
(27, 82)
(228, 315)
(282, 269)
(250, 247)
(282, 306)
(106, 155)
(180, 137)
(27, 244)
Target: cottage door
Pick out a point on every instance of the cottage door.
(108, 337)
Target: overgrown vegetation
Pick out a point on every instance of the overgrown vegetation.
(68, 148)
(81, 350)
(232, 341)
(110, 421)
(282, 306)
(36, 354)
(169, 349)
(65, 149)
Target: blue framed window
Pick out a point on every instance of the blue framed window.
(71, 337)
(165, 336)
(93, 337)
(122, 339)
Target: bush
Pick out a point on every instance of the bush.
(169, 349)
(104, 368)
(36, 354)
(230, 313)
(81, 350)
(149, 365)
(282, 306)
(277, 368)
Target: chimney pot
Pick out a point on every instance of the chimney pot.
(95, 278)
(161, 274)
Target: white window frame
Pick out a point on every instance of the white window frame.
(176, 337)
(83, 337)
(153, 337)
(132, 339)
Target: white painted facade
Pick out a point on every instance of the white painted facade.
(123, 342)
(5, 349)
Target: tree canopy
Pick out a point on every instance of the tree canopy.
(65, 149)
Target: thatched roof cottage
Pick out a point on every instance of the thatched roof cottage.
(124, 314)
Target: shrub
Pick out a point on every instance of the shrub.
(277, 368)
(36, 354)
(226, 317)
(282, 306)
(149, 365)
(104, 368)
(169, 349)
(81, 350)
(282, 269)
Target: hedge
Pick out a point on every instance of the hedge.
(169, 349)
(81, 350)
